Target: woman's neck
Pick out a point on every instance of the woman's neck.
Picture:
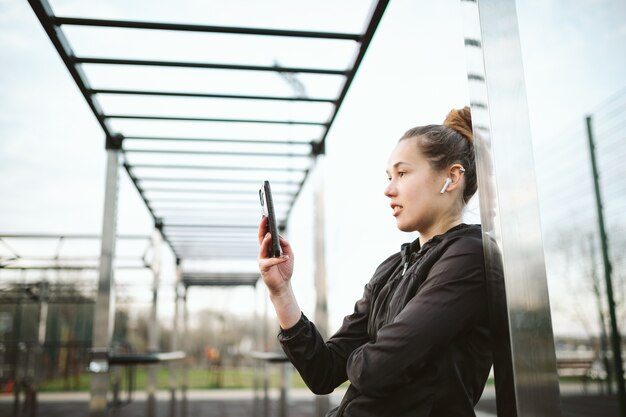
(438, 228)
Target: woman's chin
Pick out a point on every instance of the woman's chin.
(405, 227)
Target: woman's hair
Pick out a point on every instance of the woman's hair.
(449, 143)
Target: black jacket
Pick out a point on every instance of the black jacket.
(418, 341)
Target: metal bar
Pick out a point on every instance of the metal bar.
(105, 302)
(510, 209)
(211, 180)
(187, 348)
(206, 65)
(252, 201)
(322, 402)
(68, 267)
(210, 95)
(46, 17)
(214, 226)
(205, 28)
(175, 338)
(597, 292)
(218, 283)
(153, 325)
(616, 339)
(218, 140)
(232, 242)
(220, 275)
(190, 234)
(221, 255)
(146, 359)
(217, 168)
(218, 153)
(209, 191)
(240, 201)
(210, 119)
(78, 236)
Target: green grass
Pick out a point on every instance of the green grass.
(226, 378)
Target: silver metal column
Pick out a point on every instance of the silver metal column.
(187, 349)
(322, 403)
(153, 329)
(175, 335)
(509, 207)
(105, 301)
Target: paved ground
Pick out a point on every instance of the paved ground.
(236, 403)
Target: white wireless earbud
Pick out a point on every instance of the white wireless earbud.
(445, 185)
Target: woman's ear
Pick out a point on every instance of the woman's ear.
(455, 175)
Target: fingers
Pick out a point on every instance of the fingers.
(285, 246)
(265, 241)
(262, 229)
(265, 264)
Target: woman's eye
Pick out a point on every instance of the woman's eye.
(401, 174)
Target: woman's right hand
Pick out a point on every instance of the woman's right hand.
(276, 272)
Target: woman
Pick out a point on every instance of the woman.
(418, 341)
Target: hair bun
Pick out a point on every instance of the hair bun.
(461, 121)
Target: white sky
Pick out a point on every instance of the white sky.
(52, 150)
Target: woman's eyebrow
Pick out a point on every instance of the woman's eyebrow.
(397, 164)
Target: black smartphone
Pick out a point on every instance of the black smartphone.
(267, 205)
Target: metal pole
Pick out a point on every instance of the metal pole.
(174, 366)
(509, 206)
(266, 377)
(105, 300)
(616, 340)
(153, 327)
(256, 407)
(187, 348)
(603, 336)
(322, 404)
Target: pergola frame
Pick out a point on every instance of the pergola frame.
(228, 242)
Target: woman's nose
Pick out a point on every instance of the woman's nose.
(390, 189)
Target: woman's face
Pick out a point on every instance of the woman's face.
(414, 188)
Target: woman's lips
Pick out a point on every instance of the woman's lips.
(396, 209)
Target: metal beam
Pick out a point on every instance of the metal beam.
(153, 325)
(206, 65)
(175, 338)
(209, 191)
(211, 119)
(616, 339)
(211, 95)
(510, 209)
(214, 226)
(218, 168)
(66, 236)
(204, 28)
(105, 302)
(218, 153)
(211, 180)
(46, 17)
(218, 140)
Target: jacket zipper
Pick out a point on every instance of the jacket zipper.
(406, 257)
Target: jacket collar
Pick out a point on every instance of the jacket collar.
(411, 247)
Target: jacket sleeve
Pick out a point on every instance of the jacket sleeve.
(453, 297)
(323, 365)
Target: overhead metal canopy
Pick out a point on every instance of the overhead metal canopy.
(203, 113)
